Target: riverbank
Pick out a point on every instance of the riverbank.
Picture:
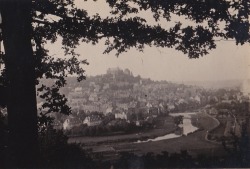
(168, 127)
(194, 143)
(184, 128)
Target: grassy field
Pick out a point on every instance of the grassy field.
(221, 128)
(204, 121)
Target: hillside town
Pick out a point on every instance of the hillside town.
(120, 98)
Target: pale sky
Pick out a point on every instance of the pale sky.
(226, 62)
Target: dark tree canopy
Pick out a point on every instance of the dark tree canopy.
(27, 25)
(215, 20)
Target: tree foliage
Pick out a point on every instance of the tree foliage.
(178, 120)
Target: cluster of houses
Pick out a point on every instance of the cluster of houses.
(137, 114)
(226, 106)
(135, 99)
(127, 97)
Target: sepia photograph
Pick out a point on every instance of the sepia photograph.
(124, 84)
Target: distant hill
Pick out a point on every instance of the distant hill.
(225, 84)
(126, 75)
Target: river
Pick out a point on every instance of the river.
(187, 128)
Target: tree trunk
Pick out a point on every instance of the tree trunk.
(21, 101)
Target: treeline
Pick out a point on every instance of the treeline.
(119, 125)
(53, 149)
